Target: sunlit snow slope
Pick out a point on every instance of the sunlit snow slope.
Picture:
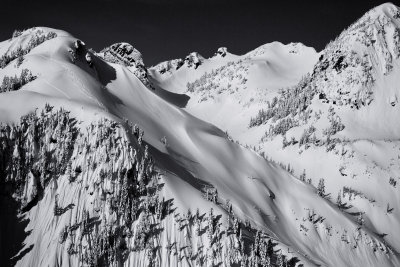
(227, 89)
(337, 126)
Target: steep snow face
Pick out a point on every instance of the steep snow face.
(363, 57)
(344, 127)
(360, 70)
(335, 128)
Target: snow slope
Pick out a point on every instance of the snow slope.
(90, 217)
(338, 123)
(230, 89)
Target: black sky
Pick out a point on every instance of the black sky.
(166, 29)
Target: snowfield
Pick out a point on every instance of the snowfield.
(284, 156)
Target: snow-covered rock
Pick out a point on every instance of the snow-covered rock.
(221, 52)
(193, 60)
(361, 58)
(127, 55)
(168, 66)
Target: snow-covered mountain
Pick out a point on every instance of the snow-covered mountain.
(105, 162)
(227, 90)
(336, 121)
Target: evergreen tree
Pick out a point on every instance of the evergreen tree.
(215, 196)
(339, 199)
(267, 262)
(20, 59)
(360, 220)
(321, 187)
(303, 176)
(69, 172)
(270, 248)
(279, 260)
(56, 207)
(210, 229)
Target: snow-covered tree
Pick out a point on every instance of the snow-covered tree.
(321, 187)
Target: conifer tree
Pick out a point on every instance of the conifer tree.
(321, 187)
(339, 199)
(303, 176)
(210, 225)
(360, 220)
(279, 260)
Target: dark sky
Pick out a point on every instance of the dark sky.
(166, 29)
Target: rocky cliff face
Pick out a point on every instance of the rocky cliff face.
(127, 55)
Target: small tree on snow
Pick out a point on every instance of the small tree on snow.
(360, 220)
(69, 172)
(210, 230)
(56, 206)
(339, 199)
(285, 142)
(279, 260)
(20, 59)
(321, 187)
(303, 176)
(164, 140)
(388, 209)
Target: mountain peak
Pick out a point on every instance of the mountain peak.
(280, 48)
(361, 56)
(123, 53)
(386, 8)
(194, 60)
(222, 51)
